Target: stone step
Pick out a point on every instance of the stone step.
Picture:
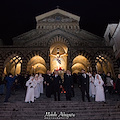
(75, 118)
(17, 109)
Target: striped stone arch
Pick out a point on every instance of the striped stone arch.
(39, 62)
(86, 65)
(10, 55)
(58, 38)
(33, 53)
(83, 53)
(110, 56)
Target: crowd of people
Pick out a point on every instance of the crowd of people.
(92, 85)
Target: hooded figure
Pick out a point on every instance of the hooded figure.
(31, 84)
(100, 95)
(41, 83)
(92, 86)
(37, 88)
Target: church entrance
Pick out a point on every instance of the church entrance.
(36, 65)
(80, 62)
(58, 56)
(104, 64)
(13, 65)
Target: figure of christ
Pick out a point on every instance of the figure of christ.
(58, 57)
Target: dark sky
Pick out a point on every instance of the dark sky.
(18, 16)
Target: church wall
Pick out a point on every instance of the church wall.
(28, 52)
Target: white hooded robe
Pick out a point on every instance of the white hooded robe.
(92, 86)
(41, 83)
(30, 90)
(100, 95)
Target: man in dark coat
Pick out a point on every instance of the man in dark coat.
(57, 84)
(10, 80)
(68, 84)
(48, 84)
(117, 88)
(83, 81)
(2, 84)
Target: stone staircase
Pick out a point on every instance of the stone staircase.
(47, 108)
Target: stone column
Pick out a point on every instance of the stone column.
(93, 65)
(48, 64)
(24, 66)
(1, 66)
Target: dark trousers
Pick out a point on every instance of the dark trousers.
(57, 93)
(85, 90)
(72, 92)
(68, 94)
(48, 91)
(8, 92)
(110, 89)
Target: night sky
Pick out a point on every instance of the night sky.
(18, 16)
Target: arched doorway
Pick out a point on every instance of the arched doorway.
(80, 62)
(36, 65)
(104, 64)
(58, 56)
(13, 65)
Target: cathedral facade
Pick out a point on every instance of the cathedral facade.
(58, 42)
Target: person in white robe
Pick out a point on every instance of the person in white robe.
(41, 83)
(92, 86)
(31, 84)
(100, 95)
(37, 88)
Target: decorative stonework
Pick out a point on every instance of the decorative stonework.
(57, 26)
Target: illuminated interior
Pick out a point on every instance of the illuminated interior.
(103, 64)
(79, 63)
(54, 64)
(36, 65)
(13, 65)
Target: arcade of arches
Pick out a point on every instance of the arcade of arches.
(37, 64)
(58, 37)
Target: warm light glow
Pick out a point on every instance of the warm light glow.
(79, 63)
(36, 65)
(55, 57)
(104, 65)
(13, 65)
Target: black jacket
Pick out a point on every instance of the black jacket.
(48, 78)
(118, 85)
(83, 82)
(68, 81)
(57, 81)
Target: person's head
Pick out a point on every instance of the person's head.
(67, 72)
(48, 71)
(31, 78)
(99, 72)
(3, 75)
(40, 74)
(56, 72)
(109, 74)
(82, 71)
(119, 75)
(98, 77)
(36, 75)
(94, 73)
(10, 75)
